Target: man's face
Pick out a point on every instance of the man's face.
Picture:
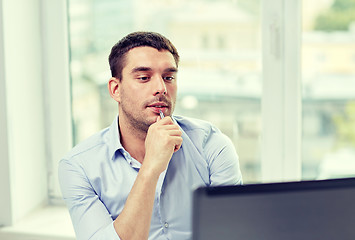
(148, 85)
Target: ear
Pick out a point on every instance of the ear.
(114, 88)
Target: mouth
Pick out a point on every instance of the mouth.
(159, 106)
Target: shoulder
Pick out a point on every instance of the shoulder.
(88, 146)
(200, 131)
(193, 124)
(216, 149)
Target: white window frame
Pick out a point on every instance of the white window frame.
(57, 87)
(5, 202)
(281, 100)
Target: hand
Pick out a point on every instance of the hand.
(163, 139)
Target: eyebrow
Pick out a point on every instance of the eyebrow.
(171, 69)
(148, 69)
(141, 69)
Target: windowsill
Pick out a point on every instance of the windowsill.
(47, 223)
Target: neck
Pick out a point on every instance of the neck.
(132, 139)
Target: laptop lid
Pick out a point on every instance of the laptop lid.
(306, 210)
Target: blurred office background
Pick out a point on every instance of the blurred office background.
(232, 53)
(221, 71)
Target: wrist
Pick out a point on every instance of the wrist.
(149, 172)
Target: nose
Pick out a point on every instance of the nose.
(159, 86)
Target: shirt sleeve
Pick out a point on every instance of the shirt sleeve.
(90, 218)
(223, 160)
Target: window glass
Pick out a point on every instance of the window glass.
(219, 76)
(328, 69)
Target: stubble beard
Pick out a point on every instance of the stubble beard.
(138, 121)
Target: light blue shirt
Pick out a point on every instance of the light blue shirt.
(97, 175)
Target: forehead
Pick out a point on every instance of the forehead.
(149, 57)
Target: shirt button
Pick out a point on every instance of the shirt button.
(166, 225)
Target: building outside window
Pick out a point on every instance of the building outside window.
(328, 77)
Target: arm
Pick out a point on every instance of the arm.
(222, 158)
(163, 138)
(90, 218)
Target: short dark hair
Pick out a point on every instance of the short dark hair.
(138, 39)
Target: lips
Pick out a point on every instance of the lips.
(155, 107)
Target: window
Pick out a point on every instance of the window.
(328, 77)
(239, 70)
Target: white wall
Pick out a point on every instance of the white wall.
(23, 163)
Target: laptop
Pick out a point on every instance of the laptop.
(305, 210)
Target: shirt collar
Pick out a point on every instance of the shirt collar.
(114, 141)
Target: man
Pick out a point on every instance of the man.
(134, 179)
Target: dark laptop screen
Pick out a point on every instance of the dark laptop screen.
(306, 210)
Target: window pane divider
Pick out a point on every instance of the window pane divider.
(57, 92)
(281, 99)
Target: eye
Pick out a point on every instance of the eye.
(143, 78)
(168, 78)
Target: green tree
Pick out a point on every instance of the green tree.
(338, 17)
